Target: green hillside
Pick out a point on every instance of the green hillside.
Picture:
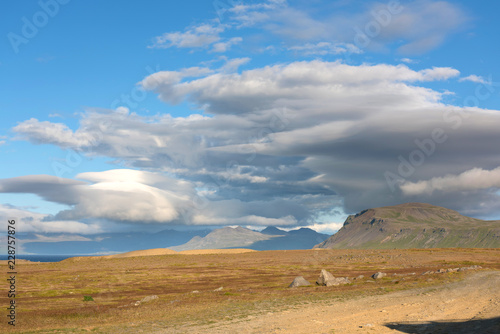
(414, 225)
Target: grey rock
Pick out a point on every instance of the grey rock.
(219, 289)
(338, 281)
(149, 298)
(299, 281)
(379, 275)
(324, 277)
(474, 267)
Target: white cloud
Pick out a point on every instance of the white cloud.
(327, 228)
(409, 61)
(57, 238)
(474, 78)
(254, 89)
(419, 26)
(55, 133)
(225, 46)
(245, 220)
(130, 196)
(470, 180)
(194, 37)
(116, 195)
(27, 221)
(232, 65)
(438, 73)
(325, 48)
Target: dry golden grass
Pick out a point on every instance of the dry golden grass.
(51, 295)
(146, 252)
(216, 251)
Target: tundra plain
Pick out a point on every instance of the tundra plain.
(54, 297)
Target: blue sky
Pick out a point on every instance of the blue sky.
(133, 115)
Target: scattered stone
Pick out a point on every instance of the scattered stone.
(429, 272)
(149, 298)
(137, 303)
(299, 281)
(359, 277)
(440, 271)
(338, 281)
(378, 275)
(219, 289)
(324, 277)
(366, 326)
(470, 268)
(195, 291)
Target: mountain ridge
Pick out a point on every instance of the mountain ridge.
(271, 238)
(414, 225)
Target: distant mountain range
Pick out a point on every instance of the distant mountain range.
(270, 238)
(107, 243)
(414, 225)
(411, 225)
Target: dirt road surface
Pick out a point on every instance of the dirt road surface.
(468, 306)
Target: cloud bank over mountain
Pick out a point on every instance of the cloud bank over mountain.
(277, 145)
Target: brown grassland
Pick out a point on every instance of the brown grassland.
(50, 296)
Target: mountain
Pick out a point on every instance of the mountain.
(226, 237)
(414, 225)
(271, 230)
(303, 238)
(271, 238)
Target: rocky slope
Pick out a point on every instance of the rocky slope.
(414, 225)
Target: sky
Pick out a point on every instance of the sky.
(142, 116)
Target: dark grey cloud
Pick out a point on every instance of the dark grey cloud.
(48, 187)
(313, 137)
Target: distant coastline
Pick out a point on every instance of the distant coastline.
(41, 258)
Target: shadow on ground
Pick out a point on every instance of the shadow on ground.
(482, 326)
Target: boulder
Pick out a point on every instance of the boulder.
(299, 281)
(149, 298)
(379, 275)
(324, 277)
(338, 281)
